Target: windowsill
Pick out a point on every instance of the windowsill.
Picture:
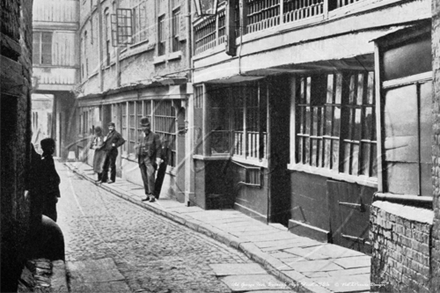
(138, 48)
(159, 59)
(361, 180)
(212, 158)
(175, 55)
(254, 162)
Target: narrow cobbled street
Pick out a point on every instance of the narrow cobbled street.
(115, 246)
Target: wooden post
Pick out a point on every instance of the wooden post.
(231, 47)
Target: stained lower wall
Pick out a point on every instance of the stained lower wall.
(401, 256)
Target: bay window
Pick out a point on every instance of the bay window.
(335, 123)
(237, 123)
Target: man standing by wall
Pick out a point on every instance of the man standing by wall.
(148, 152)
(112, 141)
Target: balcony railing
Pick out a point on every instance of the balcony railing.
(261, 15)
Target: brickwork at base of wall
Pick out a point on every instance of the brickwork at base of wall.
(401, 252)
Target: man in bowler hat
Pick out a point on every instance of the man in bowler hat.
(148, 152)
(112, 141)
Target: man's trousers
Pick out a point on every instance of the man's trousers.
(147, 172)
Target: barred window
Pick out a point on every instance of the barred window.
(336, 123)
(165, 126)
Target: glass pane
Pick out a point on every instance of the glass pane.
(328, 120)
(425, 122)
(357, 125)
(315, 119)
(299, 150)
(320, 147)
(366, 159)
(302, 117)
(370, 90)
(308, 90)
(402, 178)
(338, 92)
(308, 120)
(352, 91)
(330, 92)
(307, 150)
(337, 122)
(401, 125)
(347, 155)
(327, 153)
(374, 160)
(314, 152)
(369, 124)
(355, 159)
(335, 155)
(360, 90)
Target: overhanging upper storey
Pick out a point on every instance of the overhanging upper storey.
(257, 37)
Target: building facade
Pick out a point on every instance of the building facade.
(15, 80)
(56, 64)
(301, 139)
(329, 125)
(135, 60)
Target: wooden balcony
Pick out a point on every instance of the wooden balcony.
(258, 15)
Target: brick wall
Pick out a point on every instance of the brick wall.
(436, 145)
(401, 247)
(16, 48)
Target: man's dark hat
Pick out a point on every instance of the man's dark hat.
(111, 124)
(145, 121)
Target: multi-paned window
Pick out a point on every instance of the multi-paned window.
(132, 134)
(140, 24)
(250, 121)
(161, 36)
(108, 35)
(124, 125)
(237, 121)
(198, 119)
(175, 30)
(335, 123)
(162, 116)
(165, 126)
(42, 48)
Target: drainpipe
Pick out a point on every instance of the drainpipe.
(101, 76)
(118, 51)
(189, 164)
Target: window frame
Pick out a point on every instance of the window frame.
(335, 97)
(161, 35)
(140, 23)
(39, 43)
(175, 29)
(166, 117)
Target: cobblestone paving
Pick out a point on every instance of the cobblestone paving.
(153, 254)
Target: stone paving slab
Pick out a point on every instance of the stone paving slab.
(101, 270)
(304, 263)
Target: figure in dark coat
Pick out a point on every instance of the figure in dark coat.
(50, 180)
(165, 155)
(112, 141)
(148, 152)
